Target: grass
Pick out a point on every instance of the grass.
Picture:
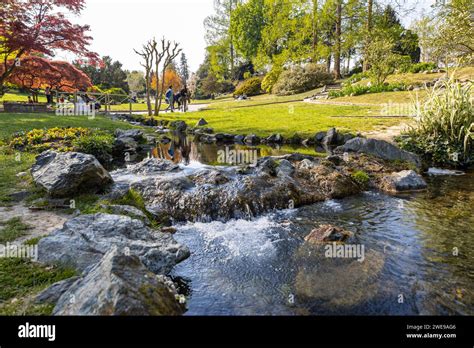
(12, 229)
(136, 107)
(10, 165)
(227, 101)
(402, 97)
(286, 118)
(20, 97)
(11, 123)
(21, 279)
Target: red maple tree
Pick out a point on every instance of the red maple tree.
(38, 73)
(29, 26)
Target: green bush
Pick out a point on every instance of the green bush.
(270, 79)
(418, 67)
(252, 86)
(356, 78)
(39, 140)
(98, 144)
(299, 80)
(355, 90)
(444, 129)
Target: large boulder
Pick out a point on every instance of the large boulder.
(66, 174)
(252, 139)
(135, 134)
(120, 285)
(124, 145)
(152, 166)
(84, 240)
(201, 122)
(331, 137)
(275, 139)
(406, 180)
(179, 126)
(223, 194)
(379, 148)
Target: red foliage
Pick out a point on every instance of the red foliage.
(39, 73)
(28, 26)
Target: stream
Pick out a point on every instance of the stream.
(418, 256)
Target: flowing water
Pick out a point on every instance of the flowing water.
(418, 258)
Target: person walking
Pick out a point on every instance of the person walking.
(169, 96)
(184, 99)
(47, 92)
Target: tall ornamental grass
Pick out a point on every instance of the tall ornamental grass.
(444, 124)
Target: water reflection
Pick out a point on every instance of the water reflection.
(185, 149)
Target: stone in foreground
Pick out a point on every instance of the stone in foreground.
(379, 148)
(66, 174)
(120, 285)
(84, 240)
(404, 181)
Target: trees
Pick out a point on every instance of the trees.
(246, 27)
(136, 81)
(169, 52)
(171, 79)
(425, 29)
(184, 69)
(381, 58)
(28, 26)
(455, 37)
(147, 55)
(37, 72)
(108, 74)
(218, 33)
(152, 56)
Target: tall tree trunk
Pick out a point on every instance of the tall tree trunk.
(337, 52)
(328, 64)
(365, 65)
(315, 30)
(348, 61)
(156, 89)
(147, 88)
(232, 54)
(160, 96)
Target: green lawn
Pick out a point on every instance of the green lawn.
(20, 97)
(402, 97)
(11, 163)
(135, 107)
(11, 123)
(265, 115)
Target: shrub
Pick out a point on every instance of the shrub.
(98, 144)
(252, 86)
(444, 129)
(271, 78)
(39, 140)
(299, 80)
(93, 142)
(418, 67)
(356, 78)
(355, 90)
(226, 86)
